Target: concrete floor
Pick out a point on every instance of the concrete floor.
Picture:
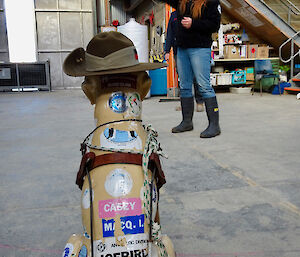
(234, 195)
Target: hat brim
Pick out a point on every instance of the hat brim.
(75, 65)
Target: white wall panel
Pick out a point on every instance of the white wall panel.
(61, 27)
(69, 4)
(48, 34)
(46, 4)
(71, 30)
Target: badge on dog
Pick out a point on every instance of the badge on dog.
(118, 183)
(117, 102)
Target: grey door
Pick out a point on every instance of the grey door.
(62, 26)
(4, 57)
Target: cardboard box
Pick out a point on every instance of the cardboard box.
(263, 52)
(252, 51)
(231, 52)
(249, 73)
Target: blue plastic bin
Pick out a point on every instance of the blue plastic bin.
(159, 81)
(238, 77)
(281, 85)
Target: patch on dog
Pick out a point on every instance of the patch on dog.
(136, 246)
(83, 252)
(134, 104)
(129, 225)
(120, 139)
(118, 183)
(123, 206)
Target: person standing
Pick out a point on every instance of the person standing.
(171, 43)
(197, 20)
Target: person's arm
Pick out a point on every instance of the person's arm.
(212, 21)
(173, 3)
(170, 36)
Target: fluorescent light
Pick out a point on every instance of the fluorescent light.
(29, 89)
(21, 32)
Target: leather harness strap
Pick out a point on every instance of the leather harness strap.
(91, 161)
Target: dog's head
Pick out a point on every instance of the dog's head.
(118, 99)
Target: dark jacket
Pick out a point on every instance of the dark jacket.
(171, 40)
(199, 35)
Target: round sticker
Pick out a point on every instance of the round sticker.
(86, 198)
(117, 102)
(118, 183)
(134, 103)
(68, 250)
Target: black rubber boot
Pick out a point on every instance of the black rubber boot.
(187, 110)
(212, 111)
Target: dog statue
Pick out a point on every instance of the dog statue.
(120, 172)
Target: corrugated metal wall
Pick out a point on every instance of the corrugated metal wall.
(117, 12)
(4, 57)
(62, 26)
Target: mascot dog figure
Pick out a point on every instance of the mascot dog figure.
(120, 172)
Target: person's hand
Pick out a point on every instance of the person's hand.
(167, 56)
(186, 22)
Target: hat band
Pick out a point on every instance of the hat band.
(125, 57)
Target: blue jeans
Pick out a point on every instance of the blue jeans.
(194, 62)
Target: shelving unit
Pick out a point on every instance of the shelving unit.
(233, 64)
(245, 60)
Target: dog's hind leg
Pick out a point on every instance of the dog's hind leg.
(75, 246)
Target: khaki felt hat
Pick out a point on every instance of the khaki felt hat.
(106, 53)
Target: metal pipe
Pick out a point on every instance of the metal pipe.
(284, 43)
(107, 13)
(97, 14)
(18, 77)
(292, 60)
(289, 16)
(297, 12)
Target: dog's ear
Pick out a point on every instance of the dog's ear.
(91, 87)
(143, 83)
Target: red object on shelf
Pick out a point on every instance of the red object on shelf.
(151, 18)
